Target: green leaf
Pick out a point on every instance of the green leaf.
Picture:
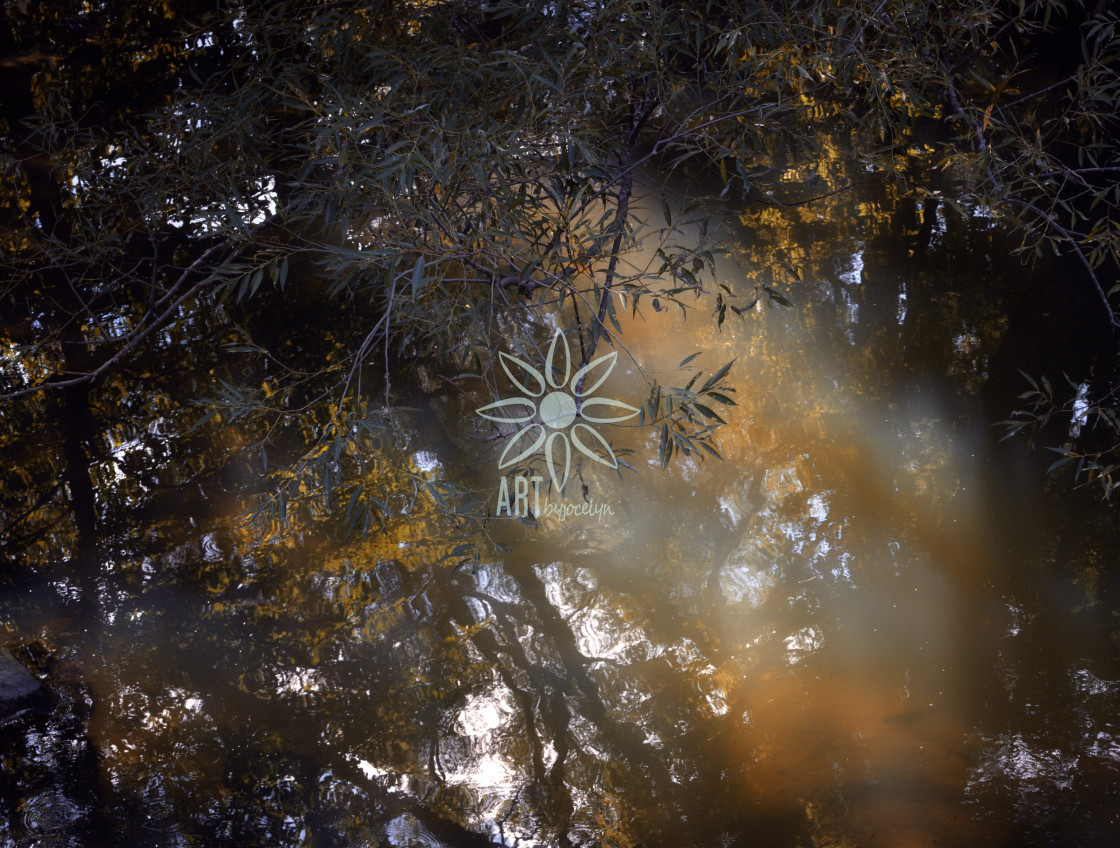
(710, 449)
(1054, 466)
(1029, 379)
(721, 398)
(776, 297)
(715, 378)
(708, 413)
(418, 276)
(355, 497)
(201, 421)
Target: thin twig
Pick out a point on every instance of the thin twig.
(1069, 239)
(141, 332)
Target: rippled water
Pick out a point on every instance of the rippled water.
(872, 624)
(44, 814)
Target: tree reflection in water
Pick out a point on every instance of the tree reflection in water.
(850, 633)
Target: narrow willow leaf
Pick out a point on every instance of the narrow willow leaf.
(715, 378)
(708, 413)
(418, 276)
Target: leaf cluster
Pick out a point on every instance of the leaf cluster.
(437, 177)
(1091, 420)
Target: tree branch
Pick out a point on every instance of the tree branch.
(1069, 239)
(622, 214)
(142, 332)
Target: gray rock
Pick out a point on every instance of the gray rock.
(18, 686)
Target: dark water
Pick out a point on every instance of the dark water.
(872, 624)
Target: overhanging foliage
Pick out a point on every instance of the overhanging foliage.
(436, 176)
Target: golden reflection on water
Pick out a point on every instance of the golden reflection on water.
(835, 574)
(824, 640)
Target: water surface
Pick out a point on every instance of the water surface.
(871, 624)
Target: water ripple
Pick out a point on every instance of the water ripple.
(407, 831)
(49, 812)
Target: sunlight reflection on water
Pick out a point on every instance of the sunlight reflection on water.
(838, 636)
